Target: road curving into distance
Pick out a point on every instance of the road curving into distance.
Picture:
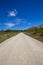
(21, 50)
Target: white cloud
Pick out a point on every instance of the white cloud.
(13, 13)
(9, 24)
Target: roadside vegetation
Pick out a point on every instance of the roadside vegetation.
(7, 34)
(35, 32)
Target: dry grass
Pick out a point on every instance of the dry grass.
(36, 33)
(7, 34)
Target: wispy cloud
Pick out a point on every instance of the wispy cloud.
(22, 21)
(18, 20)
(12, 13)
(9, 25)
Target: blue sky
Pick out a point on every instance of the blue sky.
(20, 14)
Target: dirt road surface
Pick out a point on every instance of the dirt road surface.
(21, 50)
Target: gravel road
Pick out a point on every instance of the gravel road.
(21, 50)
